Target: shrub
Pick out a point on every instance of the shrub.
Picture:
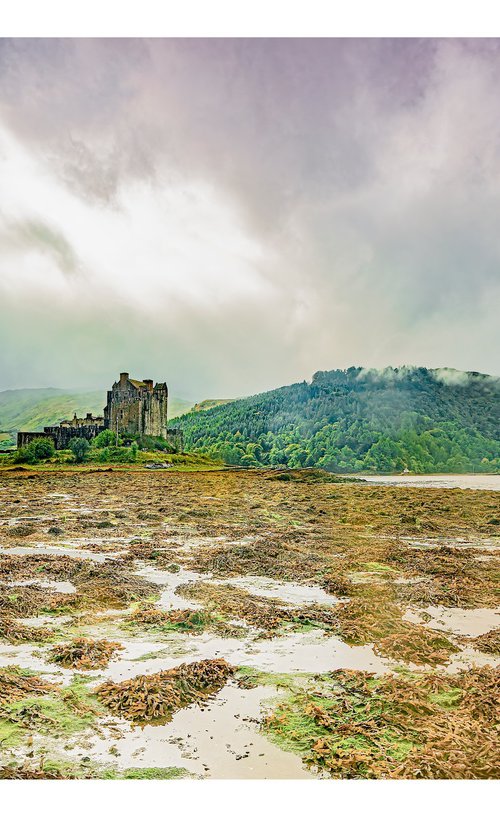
(37, 450)
(79, 447)
(23, 455)
(105, 439)
(114, 454)
(148, 443)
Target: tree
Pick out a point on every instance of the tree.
(357, 420)
(79, 447)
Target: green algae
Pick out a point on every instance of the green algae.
(62, 712)
(62, 770)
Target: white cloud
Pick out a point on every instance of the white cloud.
(236, 215)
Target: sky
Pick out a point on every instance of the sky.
(234, 215)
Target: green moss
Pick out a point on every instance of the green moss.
(377, 567)
(169, 773)
(105, 772)
(341, 721)
(248, 676)
(10, 734)
(448, 699)
(63, 712)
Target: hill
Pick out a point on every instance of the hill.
(208, 404)
(425, 420)
(32, 409)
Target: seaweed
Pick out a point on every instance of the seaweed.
(16, 684)
(354, 725)
(488, 642)
(84, 653)
(155, 698)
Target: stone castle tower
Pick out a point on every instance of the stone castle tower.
(137, 407)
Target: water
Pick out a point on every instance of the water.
(478, 482)
(221, 741)
(169, 599)
(307, 652)
(295, 594)
(54, 550)
(454, 542)
(58, 586)
(458, 620)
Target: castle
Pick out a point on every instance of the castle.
(133, 407)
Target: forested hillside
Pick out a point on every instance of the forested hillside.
(421, 419)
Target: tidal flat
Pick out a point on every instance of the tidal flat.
(239, 624)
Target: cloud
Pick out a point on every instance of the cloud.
(236, 214)
(32, 235)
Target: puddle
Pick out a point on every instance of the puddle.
(42, 621)
(222, 740)
(21, 520)
(298, 652)
(481, 544)
(295, 594)
(468, 658)
(54, 550)
(457, 620)
(29, 657)
(81, 541)
(169, 600)
(59, 587)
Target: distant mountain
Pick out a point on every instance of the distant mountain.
(423, 420)
(32, 409)
(209, 404)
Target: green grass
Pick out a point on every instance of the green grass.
(62, 461)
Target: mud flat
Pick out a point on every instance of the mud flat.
(288, 629)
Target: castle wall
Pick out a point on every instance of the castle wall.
(61, 435)
(176, 439)
(154, 413)
(25, 437)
